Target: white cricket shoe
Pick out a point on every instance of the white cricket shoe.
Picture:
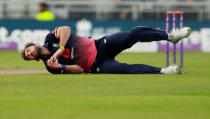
(172, 69)
(178, 34)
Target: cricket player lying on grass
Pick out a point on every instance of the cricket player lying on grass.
(64, 53)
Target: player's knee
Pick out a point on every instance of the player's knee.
(137, 30)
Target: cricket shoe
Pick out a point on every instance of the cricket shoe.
(177, 34)
(172, 69)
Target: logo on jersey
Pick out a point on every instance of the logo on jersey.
(67, 53)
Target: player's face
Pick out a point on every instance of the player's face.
(42, 8)
(33, 52)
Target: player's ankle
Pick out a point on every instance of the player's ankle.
(163, 71)
(169, 37)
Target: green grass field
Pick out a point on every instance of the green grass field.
(91, 96)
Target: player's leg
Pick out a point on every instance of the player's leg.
(148, 34)
(112, 66)
(120, 41)
(115, 43)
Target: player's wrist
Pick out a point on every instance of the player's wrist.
(63, 67)
(59, 51)
(59, 66)
(62, 47)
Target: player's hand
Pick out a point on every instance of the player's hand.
(53, 58)
(54, 65)
(55, 55)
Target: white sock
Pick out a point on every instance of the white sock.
(163, 71)
(169, 36)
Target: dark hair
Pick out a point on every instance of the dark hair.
(23, 51)
(44, 5)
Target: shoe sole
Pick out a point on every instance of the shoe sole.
(188, 32)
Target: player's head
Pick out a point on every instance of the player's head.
(43, 7)
(31, 52)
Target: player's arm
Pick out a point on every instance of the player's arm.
(63, 34)
(68, 69)
(73, 69)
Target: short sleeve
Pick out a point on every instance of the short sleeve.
(50, 38)
(55, 31)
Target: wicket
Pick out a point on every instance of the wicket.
(181, 22)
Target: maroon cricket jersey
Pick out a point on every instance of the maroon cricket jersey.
(78, 50)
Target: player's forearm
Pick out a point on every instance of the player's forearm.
(73, 69)
(63, 33)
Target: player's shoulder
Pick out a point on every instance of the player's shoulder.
(50, 35)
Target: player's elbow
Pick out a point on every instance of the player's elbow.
(73, 72)
(79, 71)
(67, 28)
(74, 69)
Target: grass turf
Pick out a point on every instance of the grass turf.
(108, 96)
